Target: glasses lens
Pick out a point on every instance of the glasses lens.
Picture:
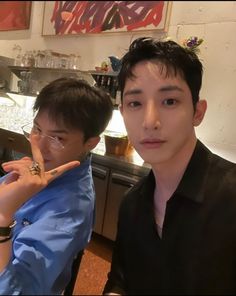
(55, 143)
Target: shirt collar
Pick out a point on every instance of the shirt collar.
(193, 182)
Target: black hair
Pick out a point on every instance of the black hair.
(173, 57)
(77, 104)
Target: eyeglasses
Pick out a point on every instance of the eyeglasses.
(54, 143)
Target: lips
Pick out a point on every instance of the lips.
(152, 143)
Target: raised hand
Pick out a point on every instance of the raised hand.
(26, 177)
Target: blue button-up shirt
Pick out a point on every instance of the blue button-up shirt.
(51, 228)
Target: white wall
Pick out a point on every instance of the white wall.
(214, 21)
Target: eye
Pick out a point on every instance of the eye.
(58, 139)
(134, 104)
(169, 102)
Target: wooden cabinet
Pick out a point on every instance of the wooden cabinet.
(119, 184)
(100, 178)
(110, 187)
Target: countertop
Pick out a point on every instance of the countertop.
(131, 163)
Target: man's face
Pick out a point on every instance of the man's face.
(69, 143)
(158, 113)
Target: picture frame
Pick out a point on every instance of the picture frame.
(95, 17)
(15, 15)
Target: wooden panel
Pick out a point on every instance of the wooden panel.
(100, 178)
(119, 183)
(14, 141)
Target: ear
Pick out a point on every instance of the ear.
(199, 113)
(91, 143)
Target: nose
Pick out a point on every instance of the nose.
(151, 118)
(43, 143)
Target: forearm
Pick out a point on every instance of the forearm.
(5, 241)
(9, 205)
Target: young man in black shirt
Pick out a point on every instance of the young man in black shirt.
(177, 227)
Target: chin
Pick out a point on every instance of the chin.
(153, 158)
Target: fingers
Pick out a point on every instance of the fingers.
(26, 158)
(37, 156)
(53, 174)
(22, 160)
(27, 161)
(11, 165)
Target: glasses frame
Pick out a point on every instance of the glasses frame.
(58, 145)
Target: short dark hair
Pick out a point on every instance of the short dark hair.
(77, 104)
(171, 55)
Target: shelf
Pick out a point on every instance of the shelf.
(103, 73)
(40, 77)
(17, 69)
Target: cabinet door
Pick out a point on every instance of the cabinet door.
(119, 183)
(100, 178)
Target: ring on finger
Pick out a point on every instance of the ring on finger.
(35, 168)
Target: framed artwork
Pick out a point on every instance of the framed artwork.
(93, 17)
(14, 15)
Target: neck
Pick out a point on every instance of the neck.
(169, 174)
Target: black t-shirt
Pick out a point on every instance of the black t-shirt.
(197, 252)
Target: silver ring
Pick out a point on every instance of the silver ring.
(35, 168)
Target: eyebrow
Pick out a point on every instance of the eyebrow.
(135, 91)
(171, 88)
(166, 88)
(59, 131)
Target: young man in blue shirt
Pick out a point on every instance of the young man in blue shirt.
(55, 222)
(177, 227)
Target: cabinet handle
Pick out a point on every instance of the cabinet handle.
(124, 180)
(11, 139)
(99, 173)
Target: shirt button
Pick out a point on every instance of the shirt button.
(25, 222)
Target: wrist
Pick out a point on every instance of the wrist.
(6, 231)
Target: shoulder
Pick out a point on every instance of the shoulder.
(215, 168)
(225, 169)
(222, 178)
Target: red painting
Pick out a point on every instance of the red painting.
(14, 15)
(73, 17)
